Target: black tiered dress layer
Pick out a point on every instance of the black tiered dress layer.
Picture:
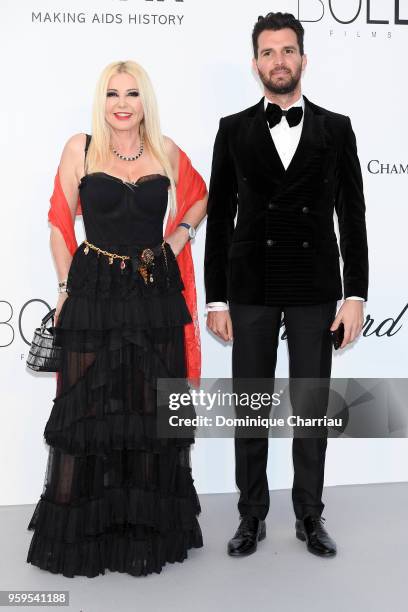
(116, 495)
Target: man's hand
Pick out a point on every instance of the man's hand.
(219, 322)
(351, 314)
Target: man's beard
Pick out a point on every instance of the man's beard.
(286, 87)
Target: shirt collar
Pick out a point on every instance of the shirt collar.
(299, 102)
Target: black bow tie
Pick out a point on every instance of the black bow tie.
(274, 114)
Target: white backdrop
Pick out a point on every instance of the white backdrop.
(198, 55)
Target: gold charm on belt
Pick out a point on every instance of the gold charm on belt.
(146, 256)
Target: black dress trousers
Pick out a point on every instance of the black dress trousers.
(256, 336)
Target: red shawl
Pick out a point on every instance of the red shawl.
(190, 189)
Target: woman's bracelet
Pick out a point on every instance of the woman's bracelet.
(62, 286)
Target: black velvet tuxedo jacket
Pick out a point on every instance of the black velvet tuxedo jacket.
(281, 248)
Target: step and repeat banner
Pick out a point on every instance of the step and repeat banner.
(198, 54)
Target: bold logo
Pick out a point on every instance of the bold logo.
(349, 11)
(7, 326)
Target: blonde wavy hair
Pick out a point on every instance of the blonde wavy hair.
(99, 152)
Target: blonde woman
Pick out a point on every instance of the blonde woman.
(116, 496)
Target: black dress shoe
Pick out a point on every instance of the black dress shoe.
(251, 530)
(311, 530)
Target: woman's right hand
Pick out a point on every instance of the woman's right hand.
(61, 299)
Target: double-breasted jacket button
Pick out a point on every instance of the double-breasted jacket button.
(270, 242)
(272, 206)
(305, 245)
(326, 180)
(305, 209)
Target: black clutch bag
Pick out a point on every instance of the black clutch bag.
(44, 355)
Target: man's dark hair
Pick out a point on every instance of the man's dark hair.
(278, 21)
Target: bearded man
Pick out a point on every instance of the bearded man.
(285, 166)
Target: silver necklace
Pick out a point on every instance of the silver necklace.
(130, 157)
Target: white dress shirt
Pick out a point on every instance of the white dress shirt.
(286, 140)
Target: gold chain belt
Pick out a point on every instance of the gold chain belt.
(146, 256)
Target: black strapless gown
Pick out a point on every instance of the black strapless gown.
(116, 496)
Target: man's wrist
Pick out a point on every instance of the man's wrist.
(216, 307)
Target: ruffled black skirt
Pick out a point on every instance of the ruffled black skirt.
(116, 495)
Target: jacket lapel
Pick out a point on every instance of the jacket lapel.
(260, 157)
(311, 145)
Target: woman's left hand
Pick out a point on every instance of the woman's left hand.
(177, 240)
